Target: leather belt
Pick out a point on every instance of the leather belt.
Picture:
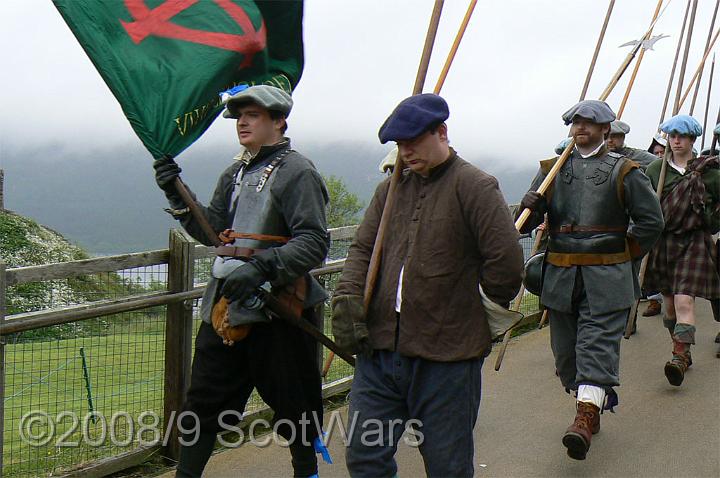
(231, 251)
(562, 259)
(570, 228)
(228, 235)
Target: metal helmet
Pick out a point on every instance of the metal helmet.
(534, 273)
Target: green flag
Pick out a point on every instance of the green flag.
(166, 61)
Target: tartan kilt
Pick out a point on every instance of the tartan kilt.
(685, 263)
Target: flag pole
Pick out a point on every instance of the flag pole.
(637, 66)
(597, 50)
(675, 61)
(707, 46)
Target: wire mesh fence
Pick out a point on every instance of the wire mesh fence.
(69, 387)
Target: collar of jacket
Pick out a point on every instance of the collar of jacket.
(438, 170)
(263, 153)
(600, 152)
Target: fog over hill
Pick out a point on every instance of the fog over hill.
(105, 199)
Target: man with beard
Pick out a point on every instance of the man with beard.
(602, 213)
(616, 143)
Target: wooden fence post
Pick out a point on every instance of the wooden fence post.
(2, 364)
(178, 335)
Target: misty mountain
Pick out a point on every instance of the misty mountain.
(105, 198)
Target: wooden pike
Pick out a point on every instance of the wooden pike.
(543, 320)
(516, 305)
(672, 72)
(681, 77)
(637, 67)
(707, 103)
(374, 266)
(707, 46)
(455, 45)
(699, 69)
(715, 137)
(597, 50)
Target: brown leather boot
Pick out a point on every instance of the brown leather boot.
(578, 436)
(653, 308)
(675, 369)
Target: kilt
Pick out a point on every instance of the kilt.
(685, 263)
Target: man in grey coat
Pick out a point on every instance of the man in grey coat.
(269, 210)
(616, 143)
(602, 213)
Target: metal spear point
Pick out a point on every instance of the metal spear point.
(646, 44)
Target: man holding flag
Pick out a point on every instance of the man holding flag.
(165, 62)
(270, 205)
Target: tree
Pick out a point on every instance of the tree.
(344, 207)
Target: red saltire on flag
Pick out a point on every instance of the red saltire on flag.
(166, 61)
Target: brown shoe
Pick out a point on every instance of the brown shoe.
(675, 369)
(578, 436)
(653, 308)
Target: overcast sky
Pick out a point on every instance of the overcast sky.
(520, 66)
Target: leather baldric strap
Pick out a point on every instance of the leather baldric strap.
(228, 236)
(563, 259)
(570, 228)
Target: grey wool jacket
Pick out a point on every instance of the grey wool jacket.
(609, 287)
(299, 194)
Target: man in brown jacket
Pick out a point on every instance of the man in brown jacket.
(422, 342)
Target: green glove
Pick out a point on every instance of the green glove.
(348, 324)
